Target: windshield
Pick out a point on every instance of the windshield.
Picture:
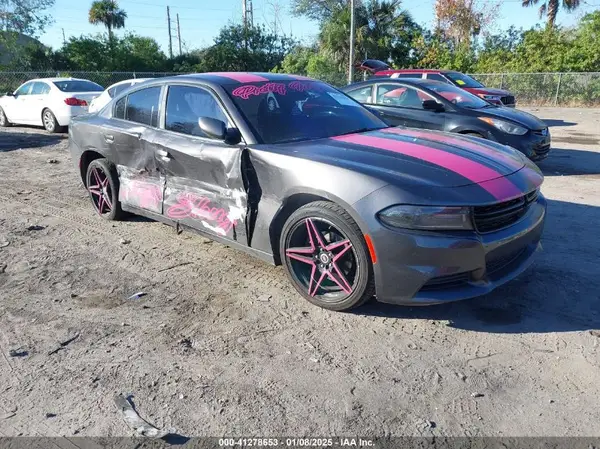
(458, 96)
(290, 111)
(462, 80)
(78, 86)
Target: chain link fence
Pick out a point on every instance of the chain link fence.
(530, 89)
(547, 89)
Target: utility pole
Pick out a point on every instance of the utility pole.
(244, 12)
(170, 40)
(64, 39)
(351, 61)
(178, 34)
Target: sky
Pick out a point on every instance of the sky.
(201, 20)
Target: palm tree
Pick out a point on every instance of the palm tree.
(108, 13)
(550, 8)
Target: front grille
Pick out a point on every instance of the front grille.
(448, 281)
(541, 132)
(542, 149)
(508, 100)
(500, 215)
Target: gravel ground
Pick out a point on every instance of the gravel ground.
(222, 345)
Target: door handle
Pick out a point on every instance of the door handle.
(164, 155)
(109, 138)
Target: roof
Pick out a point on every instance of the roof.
(408, 81)
(392, 71)
(225, 78)
(52, 80)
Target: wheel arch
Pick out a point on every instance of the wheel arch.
(85, 160)
(295, 200)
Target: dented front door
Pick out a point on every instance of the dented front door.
(204, 184)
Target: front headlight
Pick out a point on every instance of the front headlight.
(427, 217)
(507, 127)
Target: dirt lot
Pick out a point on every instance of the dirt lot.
(221, 344)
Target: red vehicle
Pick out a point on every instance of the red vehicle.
(495, 96)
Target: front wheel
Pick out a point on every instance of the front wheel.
(325, 256)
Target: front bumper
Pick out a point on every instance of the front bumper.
(533, 145)
(423, 268)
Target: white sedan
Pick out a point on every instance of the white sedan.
(49, 102)
(110, 92)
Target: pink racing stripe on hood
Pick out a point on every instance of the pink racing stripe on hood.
(240, 76)
(500, 189)
(483, 150)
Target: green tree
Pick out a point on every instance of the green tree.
(549, 8)
(107, 13)
(25, 16)
(383, 31)
(137, 53)
(318, 10)
(77, 53)
(239, 48)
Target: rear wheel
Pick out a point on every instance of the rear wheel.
(49, 121)
(102, 184)
(3, 120)
(325, 256)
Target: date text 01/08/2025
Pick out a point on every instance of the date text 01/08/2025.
(296, 442)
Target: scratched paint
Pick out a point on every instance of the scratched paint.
(198, 207)
(140, 189)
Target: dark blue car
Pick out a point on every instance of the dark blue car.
(433, 105)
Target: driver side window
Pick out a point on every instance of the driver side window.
(186, 104)
(24, 89)
(401, 96)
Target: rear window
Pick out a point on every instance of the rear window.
(462, 80)
(78, 86)
(407, 75)
(116, 90)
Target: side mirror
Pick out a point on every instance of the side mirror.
(218, 130)
(432, 105)
(9, 94)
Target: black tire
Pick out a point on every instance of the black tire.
(102, 183)
(49, 122)
(4, 123)
(473, 134)
(335, 226)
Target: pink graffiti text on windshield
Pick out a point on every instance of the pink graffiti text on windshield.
(246, 91)
(190, 205)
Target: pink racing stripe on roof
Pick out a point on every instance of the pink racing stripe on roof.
(240, 77)
(501, 188)
(481, 149)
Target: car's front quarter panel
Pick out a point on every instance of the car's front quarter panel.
(281, 177)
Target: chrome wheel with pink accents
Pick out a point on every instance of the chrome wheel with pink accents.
(325, 256)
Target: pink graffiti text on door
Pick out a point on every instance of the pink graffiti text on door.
(190, 205)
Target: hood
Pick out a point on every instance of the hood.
(488, 91)
(412, 158)
(521, 117)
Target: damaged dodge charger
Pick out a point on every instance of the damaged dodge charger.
(297, 173)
